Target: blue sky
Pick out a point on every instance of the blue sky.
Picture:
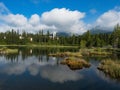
(93, 9)
(29, 7)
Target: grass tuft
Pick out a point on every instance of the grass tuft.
(74, 63)
(110, 67)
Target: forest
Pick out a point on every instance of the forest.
(85, 40)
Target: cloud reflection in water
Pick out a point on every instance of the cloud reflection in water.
(46, 69)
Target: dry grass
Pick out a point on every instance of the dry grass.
(95, 52)
(67, 54)
(110, 67)
(75, 63)
(5, 50)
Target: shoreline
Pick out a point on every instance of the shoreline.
(59, 46)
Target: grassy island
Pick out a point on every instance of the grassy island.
(5, 50)
(110, 67)
(96, 52)
(67, 54)
(84, 52)
(74, 63)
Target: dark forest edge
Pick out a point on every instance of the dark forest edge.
(87, 40)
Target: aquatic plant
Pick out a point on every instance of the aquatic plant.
(5, 50)
(67, 54)
(75, 63)
(110, 67)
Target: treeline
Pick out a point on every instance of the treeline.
(85, 40)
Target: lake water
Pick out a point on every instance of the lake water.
(33, 69)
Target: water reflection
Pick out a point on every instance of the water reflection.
(107, 78)
(33, 69)
(19, 66)
(13, 69)
(26, 52)
(42, 66)
(60, 74)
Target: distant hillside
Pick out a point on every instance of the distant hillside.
(97, 31)
(92, 31)
(62, 34)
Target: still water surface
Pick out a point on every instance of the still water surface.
(33, 69)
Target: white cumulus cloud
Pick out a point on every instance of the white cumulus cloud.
(65, 20)
(59, 20)
(108, 20)
(34, 20)
(14, 20)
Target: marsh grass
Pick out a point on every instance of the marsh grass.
(103, 52)
(67, 54)
(110, 67)
(95, 52)
(5, 50)
(75, 63)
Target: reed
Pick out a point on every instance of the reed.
(110, 67)
(75, 63)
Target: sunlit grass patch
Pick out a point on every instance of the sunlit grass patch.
(67, 54)
(5, 50)
(75, 63)
(110, 67)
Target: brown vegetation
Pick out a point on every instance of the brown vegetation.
(110, 67)
(67, 54)
(74, 63)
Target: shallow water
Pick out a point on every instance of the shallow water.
(33, 69)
